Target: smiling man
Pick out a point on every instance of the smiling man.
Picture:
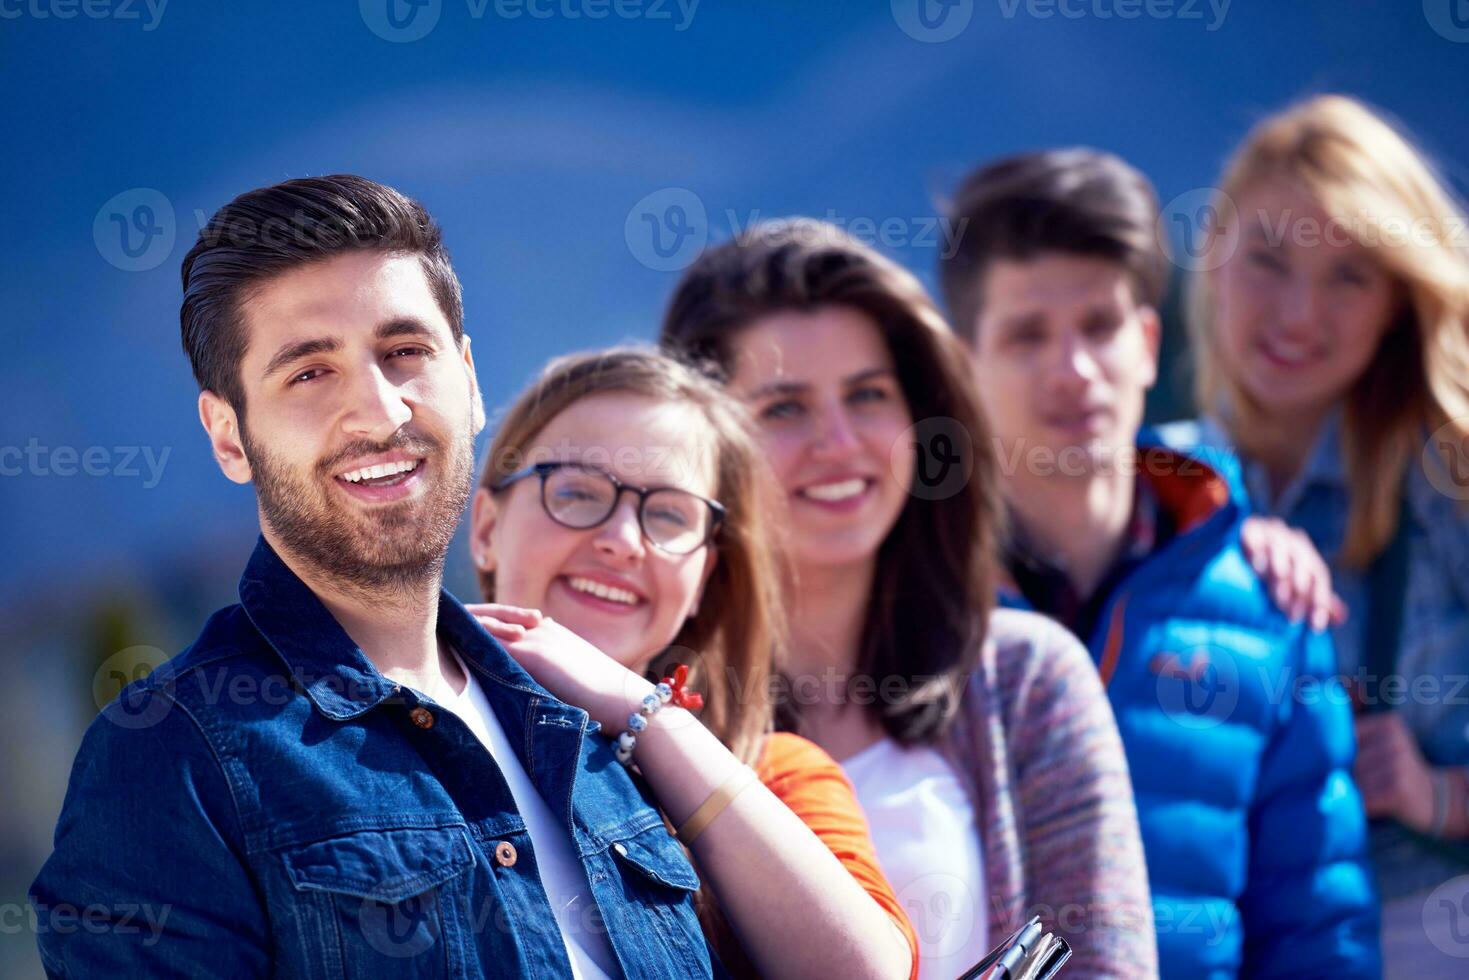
(1238, 738)
(289, 796)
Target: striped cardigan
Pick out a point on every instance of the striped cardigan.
(1037, 744)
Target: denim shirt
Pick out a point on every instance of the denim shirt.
(1432, 692)
(268, 803)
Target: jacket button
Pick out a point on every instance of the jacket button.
(505, 854)
(422, 717)
(620, 848)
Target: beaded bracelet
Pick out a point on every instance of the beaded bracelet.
(668, 689)
(638, 721)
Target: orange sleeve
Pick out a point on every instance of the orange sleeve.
(815, 788)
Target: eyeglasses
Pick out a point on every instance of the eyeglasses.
(579, 496)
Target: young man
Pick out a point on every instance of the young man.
(1240, 754)
(288, 796)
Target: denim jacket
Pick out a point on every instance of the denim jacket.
(1431, 684)
(268, 803)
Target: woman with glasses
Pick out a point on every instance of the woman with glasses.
(621, 531)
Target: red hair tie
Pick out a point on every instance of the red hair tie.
(684, 699)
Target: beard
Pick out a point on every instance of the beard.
(385, 552)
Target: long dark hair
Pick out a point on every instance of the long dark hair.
(934, 587)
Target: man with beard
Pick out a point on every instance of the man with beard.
(344, 774)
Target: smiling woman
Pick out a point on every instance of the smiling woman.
(623, 523)
(1332, 353)
(979, 741)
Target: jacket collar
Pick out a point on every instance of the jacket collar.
(1188, 488)
(336, 675)
(1184, 489)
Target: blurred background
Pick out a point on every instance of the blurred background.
(579, 154)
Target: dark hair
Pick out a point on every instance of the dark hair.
(1078, 201)
(270, 230)
(934, 587)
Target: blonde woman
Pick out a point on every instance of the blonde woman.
(1331, 342)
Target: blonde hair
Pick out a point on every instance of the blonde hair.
(1371, 178)
(741, 616)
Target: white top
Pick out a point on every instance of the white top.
(928, 845)
(562, 874)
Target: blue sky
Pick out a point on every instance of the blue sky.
(534, 139)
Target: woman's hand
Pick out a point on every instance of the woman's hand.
(504, 621)
(1391, 772)
(565, 664)
(1293, 570)
(778, 883)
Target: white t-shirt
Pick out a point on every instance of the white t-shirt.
(562, 874)
(928, 845)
